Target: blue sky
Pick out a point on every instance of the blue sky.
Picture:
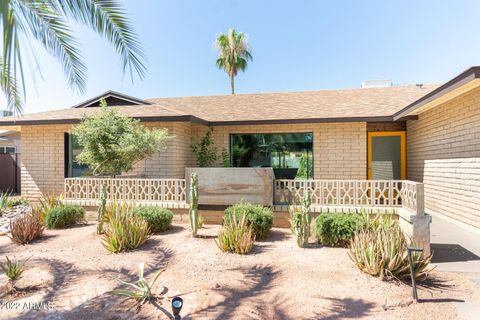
(297, 45)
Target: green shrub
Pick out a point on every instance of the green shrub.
(380, 249)
(19, 202)
(124, 231)
(158, 219)
(49, 202)
(64, 217)
(5, 201)
(236, 236)
(260, 218)
(337, 229)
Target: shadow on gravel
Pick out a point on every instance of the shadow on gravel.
(257, 280)
(104, 306)
(348, 308)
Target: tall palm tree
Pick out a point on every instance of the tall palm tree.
(47, 22)
(233, 53)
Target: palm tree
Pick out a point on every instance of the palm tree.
(233, 53)
(47, 22)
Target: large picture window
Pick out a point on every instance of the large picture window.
(289, 154)
(72, 150)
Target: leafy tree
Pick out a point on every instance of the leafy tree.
(226, 158)
(305, 168)
(205, 150)
(233, 53)
(47, 21)
(113, 143)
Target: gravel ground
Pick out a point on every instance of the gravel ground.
(9, 214)
(71, 273)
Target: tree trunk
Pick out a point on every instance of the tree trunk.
(232, 85)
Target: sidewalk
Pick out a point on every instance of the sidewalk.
(455, 248)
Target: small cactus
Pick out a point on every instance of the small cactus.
(193, 212)
(101, 208)
(302, 224)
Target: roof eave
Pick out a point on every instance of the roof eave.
(180, 118)
(456, 83)
(114, 94)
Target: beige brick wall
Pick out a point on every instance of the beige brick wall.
(443, 151)
(340, 149)
(42, 160)
(339, 152)
(172, 162)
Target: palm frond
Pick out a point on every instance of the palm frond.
(53, 32)
(47, 22)
(108, 18)
(8, 84)
(10, 58)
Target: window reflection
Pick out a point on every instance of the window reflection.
(74, 168)
(290, 154)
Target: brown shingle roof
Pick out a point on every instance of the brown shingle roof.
(328, 105)
(346, 103)
(73, 115)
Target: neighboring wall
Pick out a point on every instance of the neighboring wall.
(42, 161)
(12, 140)
(443, 151)
(340, 149)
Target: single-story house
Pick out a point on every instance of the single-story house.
(424, 133)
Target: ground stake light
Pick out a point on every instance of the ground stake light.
(177, 304)
(412, 275)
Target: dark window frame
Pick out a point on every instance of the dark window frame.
(230, 140)
(68, 162)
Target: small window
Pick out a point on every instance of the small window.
(74, 169)
(10, 150)
(7, 150)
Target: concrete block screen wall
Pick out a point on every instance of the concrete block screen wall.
(443, 152)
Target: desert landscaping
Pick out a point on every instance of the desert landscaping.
(71, 271)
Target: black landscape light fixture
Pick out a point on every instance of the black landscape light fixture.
(177, 304)
(412, 275)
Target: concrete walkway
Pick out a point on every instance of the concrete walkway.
(455, 247)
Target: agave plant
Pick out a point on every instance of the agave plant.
(237, 236)
(141, 290)
(380, 249)
(26, 227)
(5, 201)
(123, 230)
(13, 270)
(49, 202)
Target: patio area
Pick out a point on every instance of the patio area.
(220, 187)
